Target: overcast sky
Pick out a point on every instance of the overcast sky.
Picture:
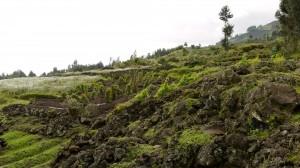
(40, 34)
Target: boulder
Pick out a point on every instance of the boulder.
(270, 103)
(210, 156)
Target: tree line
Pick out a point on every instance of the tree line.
(74, 67)
(17, 74)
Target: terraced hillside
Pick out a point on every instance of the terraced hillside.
(193, 107)
(25, 150)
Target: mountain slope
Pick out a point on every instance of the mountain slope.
(265, 32)
(194, 107)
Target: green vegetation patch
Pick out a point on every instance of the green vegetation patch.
(141, 96)
(164, 89)
(194, 137)
(37, 159)
(26, 150)
(12, 135)
(278, 59)
(298, 89)
(260, 134)
(29, 96)
(134, 125)
(295, 156)
(295, 119)
(140, 149)
(21, 90)
(45, 85)
(6, 100)
(151, 133)
(249, 62)
(26, 140)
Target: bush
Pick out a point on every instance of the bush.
(74, 105)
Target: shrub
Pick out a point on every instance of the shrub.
(75, 106)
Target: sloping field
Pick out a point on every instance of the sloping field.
(27, 150)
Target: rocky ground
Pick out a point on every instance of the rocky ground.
(221, 110)
(209, 125)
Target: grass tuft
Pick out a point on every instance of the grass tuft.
(194, 137)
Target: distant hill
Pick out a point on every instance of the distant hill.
(254, 33)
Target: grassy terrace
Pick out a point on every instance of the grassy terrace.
(27, 150)
(19, 90)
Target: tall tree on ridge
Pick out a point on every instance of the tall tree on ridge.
(225, 15)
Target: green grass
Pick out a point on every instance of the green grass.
(24, 123)
(21, 90)
(27, 150)
(164, 89)
(150, 133)
(134, 125)
(140, 149)
(294, 156)
(278, 59)
(298, 89)
(45, 85)
(43, 165)
(295, 119)
(12, 135)
(260, 134)
(8, 100)
(26, 140)
(37, 159)
(142, 95)
(249, 62)
(139, 97)
(255, 61)
(194, 137)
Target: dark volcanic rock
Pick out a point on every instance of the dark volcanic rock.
(2, 144)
